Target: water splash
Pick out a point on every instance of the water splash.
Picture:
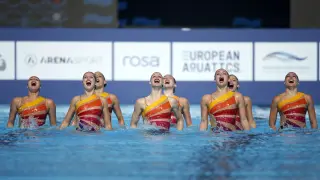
(30, 123)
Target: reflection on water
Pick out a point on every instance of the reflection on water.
(146, 153)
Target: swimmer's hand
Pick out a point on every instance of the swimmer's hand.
(253, 125)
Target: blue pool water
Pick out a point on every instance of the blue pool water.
(49, 153)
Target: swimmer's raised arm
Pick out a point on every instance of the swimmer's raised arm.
(242, 111)
(175, 109)
(13, 111)
(311, 112)
(117, 109)
(52, 112)
(138, 108)
(273, 113)
(204, 112)
(106, 115)
(186, 111)
(248, 104)
(70, 112)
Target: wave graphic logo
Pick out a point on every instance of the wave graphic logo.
(284, 56)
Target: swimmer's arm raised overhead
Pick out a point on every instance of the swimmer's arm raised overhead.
(248, 104)
(186, 111)
(311, 112)
(70, 112)
(106, 115)
(138, 108)
(242, 111)
(117, 109)
(273, 113)
(52, 112)
(175, 109)
(204, 112)
(13, 111)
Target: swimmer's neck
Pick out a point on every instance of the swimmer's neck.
(156, 93)
(222, 89)
(33, 94)
(99, 91)
(89, 93)
(291, 90)
(168, 92)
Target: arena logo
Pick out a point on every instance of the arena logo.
(32, 60)
(3, 64)
(210, 61)
(141, 61)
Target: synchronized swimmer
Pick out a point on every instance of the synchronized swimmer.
(227, 109)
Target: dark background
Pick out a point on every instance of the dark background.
(146, 13)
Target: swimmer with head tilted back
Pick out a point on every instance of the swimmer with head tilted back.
(32, 109)
(169, 87)
(223, 106)
(156, 108)
(112, 100)
(234, 86)
(89, 108)
(292, 106)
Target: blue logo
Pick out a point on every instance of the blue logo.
(283, 56)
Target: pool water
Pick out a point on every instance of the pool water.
(48, 153)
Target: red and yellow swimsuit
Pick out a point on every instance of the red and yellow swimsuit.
(109, 100)
(224, 111)
(110, 104)
(294, 110)
(158, 113)
(89, 111)
(34, 111)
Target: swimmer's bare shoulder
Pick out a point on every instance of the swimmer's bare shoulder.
(276, 99)
(308, 97)
(238, 94)
(140, 103)
(113, 97)
(50, 103)
(183, 101)
(247, 99)
(51, 110)
(16, 101)
(13, 110)
(239, 97)
(207, 98)
(75, 100)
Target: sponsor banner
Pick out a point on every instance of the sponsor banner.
(273, 60)
(63, 60)
(199, 61)
(136, 61)
(7, 61)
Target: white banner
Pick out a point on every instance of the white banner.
(136, 61)
(7, 61)
(199, 61)
(273, 60)
(63, 60)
